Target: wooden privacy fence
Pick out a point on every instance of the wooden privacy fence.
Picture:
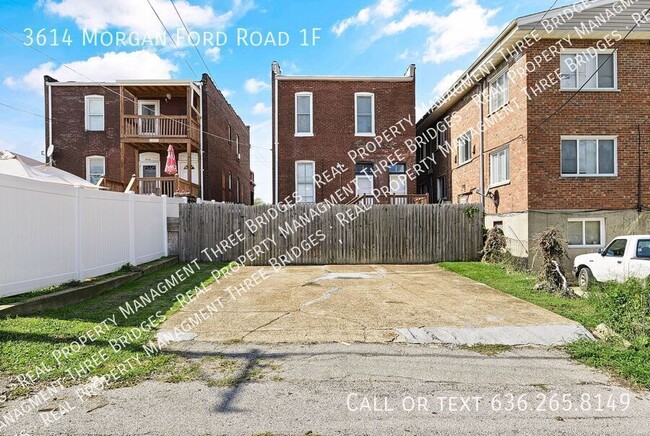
(340, 234)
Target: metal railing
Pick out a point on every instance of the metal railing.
(156, 126)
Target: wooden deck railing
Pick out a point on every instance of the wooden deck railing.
(110, 184)
(157, 126)
(169, 186)
(390, 199)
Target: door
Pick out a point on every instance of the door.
(149, 173)
(613, 261)
(182, 167)
(146, 108)
(398, 187)
(365, 185)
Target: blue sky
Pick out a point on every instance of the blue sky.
(367, 37)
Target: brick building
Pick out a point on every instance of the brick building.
(118, 134)
(502, 139)
(319, 122)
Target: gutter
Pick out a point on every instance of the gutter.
(201, 140)
(49, 122)
(275, 133)
(482, 145)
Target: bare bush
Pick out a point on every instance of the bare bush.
(494, 250)
(553, 248)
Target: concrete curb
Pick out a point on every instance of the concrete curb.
(67, 297)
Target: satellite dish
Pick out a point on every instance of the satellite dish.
(50, 150)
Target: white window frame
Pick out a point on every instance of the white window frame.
(87, 114)
(229, 181)
(356, 118)
(494, 154)
(237, 146)
(505, 90)
(596, 138)
(583, 221)
(313, 182)
(467, 135)
(576, 51)
(311, 113)
(88, 159)
(440, 181)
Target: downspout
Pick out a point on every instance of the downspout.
(49, 122)
(201, 140)
(275, 129)
(638, 187)
(481, 146)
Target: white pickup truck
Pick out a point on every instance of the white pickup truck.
(625, 257)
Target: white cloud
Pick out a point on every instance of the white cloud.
(137, 16)
(451, 36)
(253, 86)
(10, 82)
(445, 83)
(261, 109)
(382, 9)
(214, 54)
(106, 68)
(227, 92)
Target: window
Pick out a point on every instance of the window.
(229, 134)
(364, 111)
(364, 178)
(500, 167)
(643, 248)
(588, 156)
(616, 248)
(499, 92)
(229, 181)
(305, 184)
(441, 195)
(94, 112)
(579, 68)
(464, 148)
(237, 146)
(238, 191)
(498, 225)
(304, 114)
(95, 168)
(397, 180)
(586, 232)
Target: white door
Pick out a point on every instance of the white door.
(148, 126)
(365, 185)
(149, 168)
(398, 187)
(182, 167)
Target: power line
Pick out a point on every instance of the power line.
(36, 115)
(170, 35)
(611, 56)
(191, 38)
(101, 85)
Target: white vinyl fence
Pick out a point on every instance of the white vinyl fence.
(51, 233)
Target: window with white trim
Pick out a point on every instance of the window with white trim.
(397, 179)
(464, 148)
(237, 146)
(364, 178)
(304, 114)
(305, 183)
(95, 168)
(230, 181)
(238, 191)
(94, 110)
(586, 156)
(593, 69)
(586, 232)
(499, 92)
(364, 114)
(500, 167)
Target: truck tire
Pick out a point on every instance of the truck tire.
(585, 278)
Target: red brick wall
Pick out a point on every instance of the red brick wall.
(334, 129)
(591, 113)
(220, 155)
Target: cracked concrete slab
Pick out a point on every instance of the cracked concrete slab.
(355, 303)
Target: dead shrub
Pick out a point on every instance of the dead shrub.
(494, 250)
(553, 249)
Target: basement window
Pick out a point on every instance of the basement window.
(586, 232)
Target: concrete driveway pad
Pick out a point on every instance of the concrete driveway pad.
(370, 303)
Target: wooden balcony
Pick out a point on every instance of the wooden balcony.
(169, 186)
(160, 128)
(391, 199)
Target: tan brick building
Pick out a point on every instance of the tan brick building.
(319, 122)
(505, 142)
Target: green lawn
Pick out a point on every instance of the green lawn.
(631, 363)
(26, 342)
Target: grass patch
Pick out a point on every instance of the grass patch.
(624, 307)
(488, 349)
(26, 342)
